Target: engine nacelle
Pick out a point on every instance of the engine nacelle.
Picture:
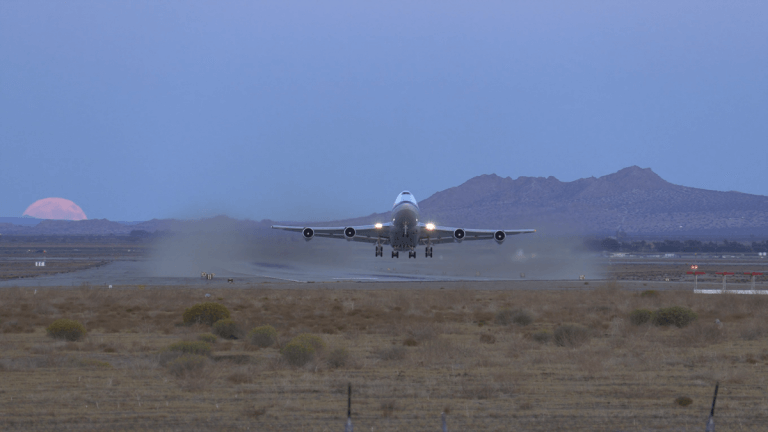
(459, 234)
(308, 233)
(499, 236)
(349, 233)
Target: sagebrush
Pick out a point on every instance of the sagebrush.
(301, 349)
(205, 313)
(676, 315)
(263, 336)
(66, 329)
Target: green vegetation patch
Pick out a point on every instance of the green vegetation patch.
(226, 329)
(677, 316)
(263, 336)
(640, 316)
(66, 329)
(301, 349)
(205, 313)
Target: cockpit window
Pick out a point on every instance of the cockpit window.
(405, 196)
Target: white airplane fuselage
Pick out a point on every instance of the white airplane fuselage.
(404, 235)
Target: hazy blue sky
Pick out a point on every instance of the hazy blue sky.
(319, 110)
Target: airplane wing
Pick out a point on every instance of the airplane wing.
(363, 233)
(441, 234)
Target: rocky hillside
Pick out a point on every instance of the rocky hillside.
(634, 200)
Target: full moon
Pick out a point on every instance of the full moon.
(55, 208)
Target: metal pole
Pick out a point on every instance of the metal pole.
(711, 421)
(348, 426)
(724, 276)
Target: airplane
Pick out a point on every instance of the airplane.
(405, 232)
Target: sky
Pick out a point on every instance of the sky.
(322, 110)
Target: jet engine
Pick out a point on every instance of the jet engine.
(349, 233)
(308, 233)
(499, 236)
(459, 234)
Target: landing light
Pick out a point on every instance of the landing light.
(430, 226)
(378, 226)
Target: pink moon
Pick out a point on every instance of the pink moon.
(55, 208)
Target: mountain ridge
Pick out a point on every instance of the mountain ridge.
(634, 200)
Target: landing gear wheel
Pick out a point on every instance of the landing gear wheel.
(395, 254)
(379, 251)
(411, 254)
(428, 252)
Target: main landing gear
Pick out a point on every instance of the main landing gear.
(395, 254)
(428, 252)
(412, 254)
(379, 251)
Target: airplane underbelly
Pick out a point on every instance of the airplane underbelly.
(405, 232)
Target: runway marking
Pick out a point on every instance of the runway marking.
(719, 291)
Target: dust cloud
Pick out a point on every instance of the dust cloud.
(230, 251)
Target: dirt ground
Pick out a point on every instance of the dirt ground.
(409, 350)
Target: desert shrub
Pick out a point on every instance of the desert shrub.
(391, 353)
(207, 337)
(487, 338)
(542, 336)
(226, 329)
(570, 335)
(649, 293)
(676, 315)
(186, 364)
(640, 316)
(205, 313)
(67, 329)
(411, 342)
(338, 357)
(683, 401)
(302, 349)
(314, 340)
(191, 347)
(519, 317)
(263, 336)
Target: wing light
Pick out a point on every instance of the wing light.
(378, 226)
(430, 226)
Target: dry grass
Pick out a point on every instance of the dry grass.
(488, 376)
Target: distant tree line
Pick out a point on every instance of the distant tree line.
(669, 246)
